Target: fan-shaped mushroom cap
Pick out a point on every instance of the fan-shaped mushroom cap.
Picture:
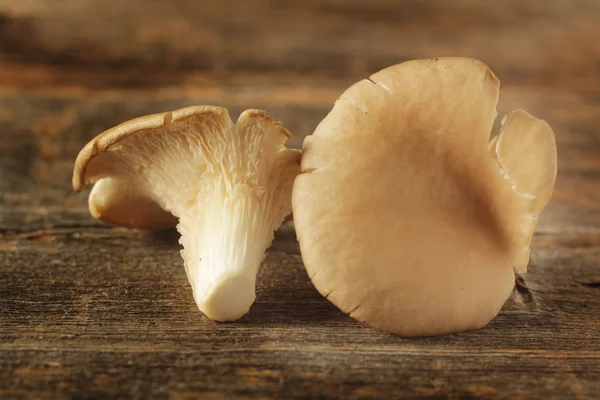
(228, 184)
(404, 219)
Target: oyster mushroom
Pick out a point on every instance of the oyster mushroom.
(408, 218)
(228, 184)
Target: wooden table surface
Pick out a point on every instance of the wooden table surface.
(91, 311)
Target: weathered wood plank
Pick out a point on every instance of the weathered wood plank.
(116, 318)
(90, 311)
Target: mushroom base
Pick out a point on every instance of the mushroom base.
(230, 299)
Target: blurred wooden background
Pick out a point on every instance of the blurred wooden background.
(89, 311)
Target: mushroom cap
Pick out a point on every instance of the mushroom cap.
(118, 202)
(404, 219)
(525, 155)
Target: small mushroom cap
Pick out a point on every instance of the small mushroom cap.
(525, 156)
(118, 202)
(523, 145)
(404, 219)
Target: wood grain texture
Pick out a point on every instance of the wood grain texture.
(90, 311)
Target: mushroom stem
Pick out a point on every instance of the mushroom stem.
(223, 253)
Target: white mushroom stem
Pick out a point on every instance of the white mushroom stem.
(231, 229)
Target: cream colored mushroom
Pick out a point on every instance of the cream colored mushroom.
(118, 202)
(228, 184)
(407, 218)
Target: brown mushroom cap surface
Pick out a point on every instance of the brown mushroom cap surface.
(228, 184)
(407, 218)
